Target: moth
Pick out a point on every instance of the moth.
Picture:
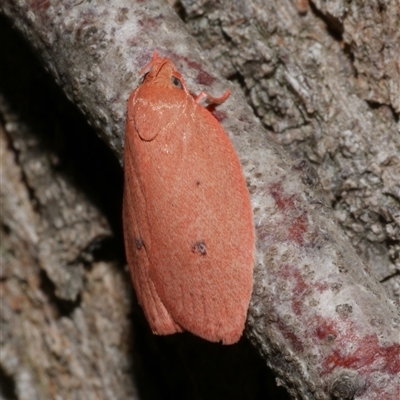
(187, 217)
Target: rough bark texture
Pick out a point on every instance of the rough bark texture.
(55, 295)
(322, 323)
(371, 30)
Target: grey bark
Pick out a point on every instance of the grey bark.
(319, 319)
(52, 304)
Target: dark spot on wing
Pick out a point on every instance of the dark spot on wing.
(139, 243)
(199, 248)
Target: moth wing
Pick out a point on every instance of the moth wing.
(202, 234)
(136, 236)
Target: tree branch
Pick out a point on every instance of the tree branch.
(321, 322)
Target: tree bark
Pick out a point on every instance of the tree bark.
(322, 323)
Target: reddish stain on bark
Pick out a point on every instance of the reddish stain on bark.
(325, 330)
(300, 288)
(40, 5)
(283, 202)
(297, 229)
(367, 351)
(149, 23)
(351, 350)
(219, 115)
(321, 286)
(292, 274)
(297, 225)
(203, 77)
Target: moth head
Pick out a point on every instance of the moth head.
(162, 71)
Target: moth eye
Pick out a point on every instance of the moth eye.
(176, 82)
